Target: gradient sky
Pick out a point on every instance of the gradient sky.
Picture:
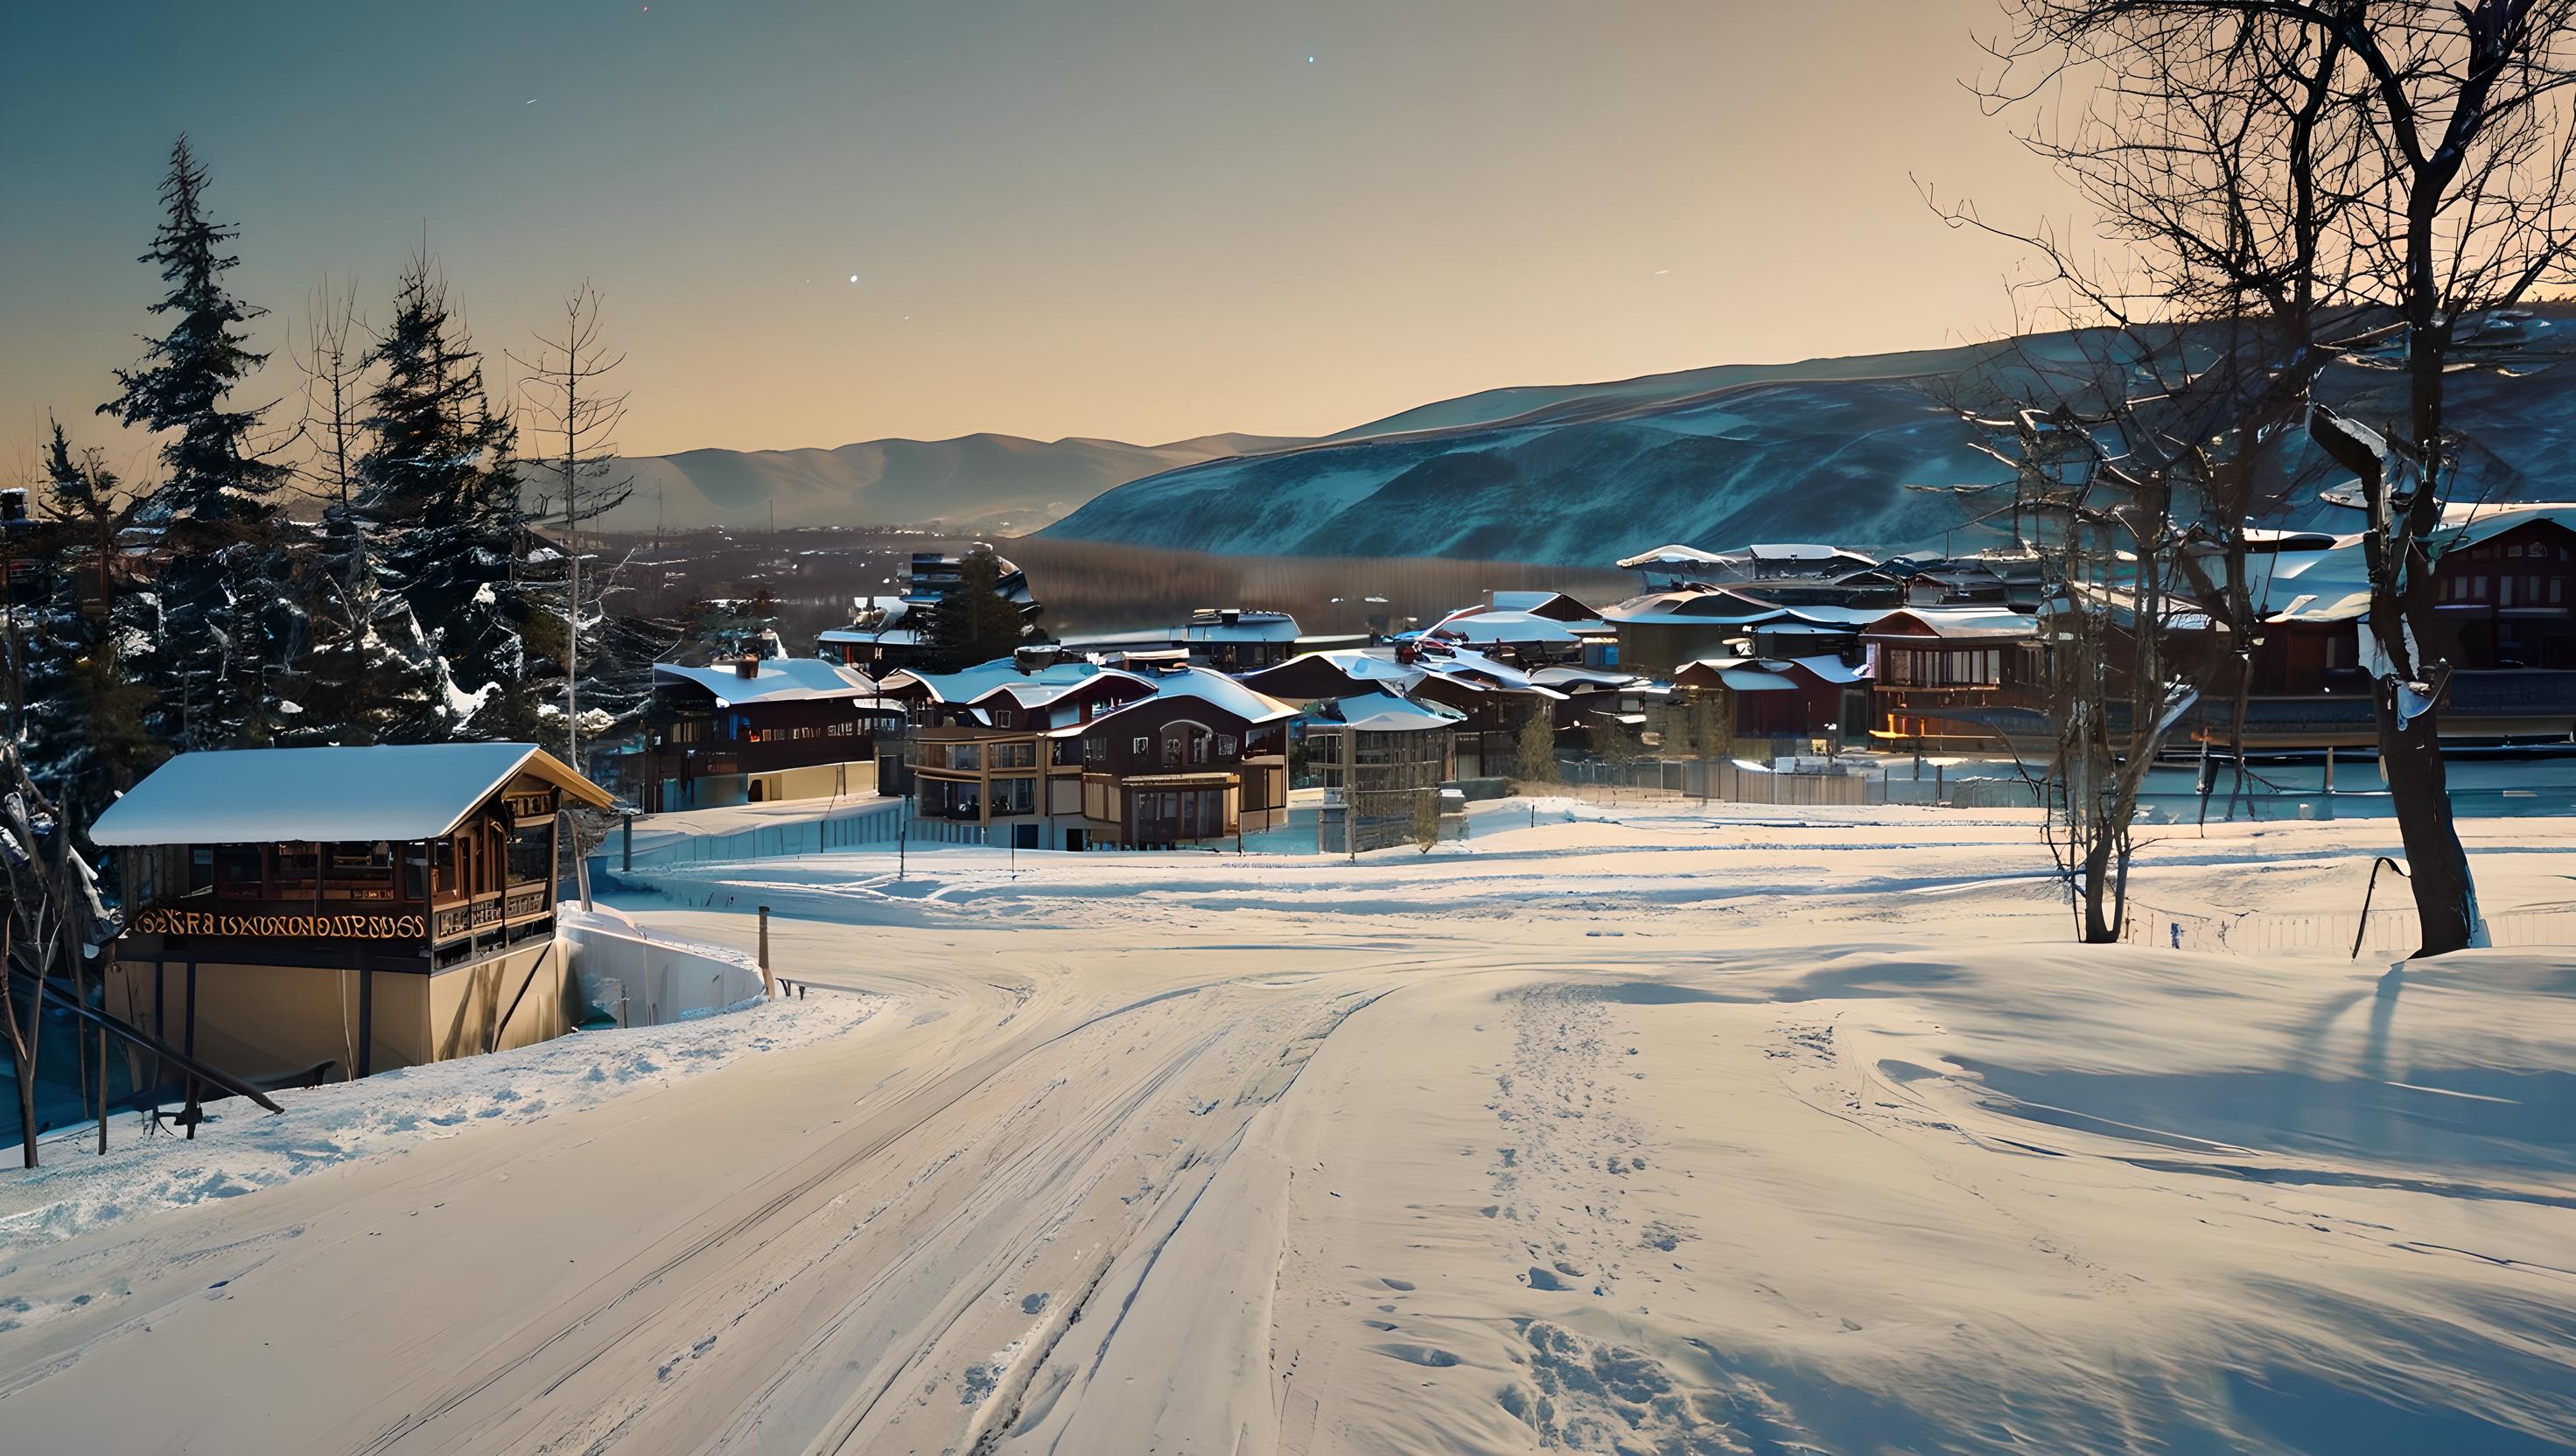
(1139, 220)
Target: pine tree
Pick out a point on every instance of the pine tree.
(443, 636)
(219, 613)
(974, 621)
(82, 724)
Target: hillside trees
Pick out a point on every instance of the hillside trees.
(2291, 181)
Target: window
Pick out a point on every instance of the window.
(1014, 755)
(1172, 750)
(965, 755)
(1015, 796)
(1095, 751)
(1199, 748)
(532, 855)
(1141, 746)
(1225, 746)
(1001, 717)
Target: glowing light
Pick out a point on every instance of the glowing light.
(854, 278)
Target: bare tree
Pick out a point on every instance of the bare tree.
(2363, 179)
(577, 410)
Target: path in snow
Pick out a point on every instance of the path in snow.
(1135, 1161)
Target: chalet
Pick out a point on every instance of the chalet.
(1382, 758)
(1933, 663)
(757, 729)
(341, 911)
(1816, 702)
(1076, 755)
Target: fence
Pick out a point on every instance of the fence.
(645, 977)
(1721, 780)
(872, 822)
(2393, 930)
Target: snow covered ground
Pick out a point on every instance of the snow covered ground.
(1611, 1129)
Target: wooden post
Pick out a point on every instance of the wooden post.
(366, 1015)
(188, 1044)
(626, 845)
(768, 982)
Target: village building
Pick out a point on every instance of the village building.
(1227, 639)
(1943, 673)
(1382, 759)
(1810, 705)
(751, 730)
(1076, 755)
(331, 912)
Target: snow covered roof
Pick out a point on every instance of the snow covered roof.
(966, 685)
(2332, 606)
(1213, 688)
(1542, 603)
(1503, 626)
(1955, 622)
(326, 795)
(1565, 676)
(1246, 627)
(1692, 607)
(1834, 669)
(1670, 555)
(1385, 712)
(779, 680)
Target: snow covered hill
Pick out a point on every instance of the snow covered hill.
(989, 482)
(1819, 450)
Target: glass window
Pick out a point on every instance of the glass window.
(532, 855)
(965, 755)
(1225, 745)
(1141, 746)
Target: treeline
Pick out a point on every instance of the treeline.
(364, 573)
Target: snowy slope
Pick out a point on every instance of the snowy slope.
(1818, 451)
(1612, 1128)
(984, 481)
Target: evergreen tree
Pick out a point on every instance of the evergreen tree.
(218, 614)
(82, 724)
(444, 638)
(975, 622)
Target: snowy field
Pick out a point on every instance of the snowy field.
(1611, 1129)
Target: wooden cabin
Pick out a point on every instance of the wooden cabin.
(341, 911)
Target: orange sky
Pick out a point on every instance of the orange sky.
(1143, 221)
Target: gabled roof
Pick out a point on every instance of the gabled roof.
(1328, 674)
(1696, 606)
(326, 795)
(1199, 683)
(779, 680)
(968, 684)
(1502, 627)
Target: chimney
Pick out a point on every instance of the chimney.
(747, 665)
(1230, 616)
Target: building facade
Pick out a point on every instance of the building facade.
(341, 911)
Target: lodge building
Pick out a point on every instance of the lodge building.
(339, 911)
(753, 730)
